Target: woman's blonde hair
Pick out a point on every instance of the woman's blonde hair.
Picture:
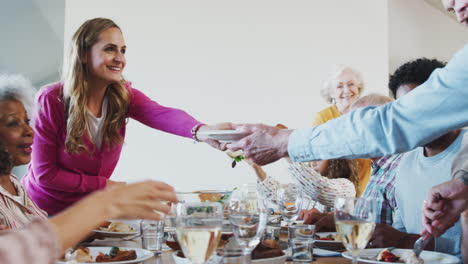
(76, 90)
(331, 81)
(343, 168)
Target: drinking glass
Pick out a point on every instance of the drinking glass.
(248, 216)
(198, 228)
(355, 229)
(289, 197)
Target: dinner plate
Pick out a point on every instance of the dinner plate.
(216, 259)
(142, 255)
(325, 234)
(223, 135)
(429, 257)
(110, 234)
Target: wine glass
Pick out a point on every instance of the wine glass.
(198, 228)
(289, 197)
(355, 229)
(248, 217)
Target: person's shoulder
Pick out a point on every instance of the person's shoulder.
(326, 114)
(51, 90)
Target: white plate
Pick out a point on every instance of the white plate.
(275, 260)
(429, 257)
(142, 255)
(109, 234)
(324, 234)
(223, 135)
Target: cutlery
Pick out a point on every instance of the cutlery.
(420, 244)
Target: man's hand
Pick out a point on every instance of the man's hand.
(265, 144)
(326, 223)
(443, 206)
(214, 143)
(387, 236)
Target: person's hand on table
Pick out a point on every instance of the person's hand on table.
(326, 223)
(311, 216)
(443, 206)
(264, 145)
(214, 143)
(387, 236)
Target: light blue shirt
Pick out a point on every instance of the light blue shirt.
(415, 176)
(431, 110)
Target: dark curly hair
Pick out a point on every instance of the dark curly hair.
(6, 163)
(416, 71)
(343, 168)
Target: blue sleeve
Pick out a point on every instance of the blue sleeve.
(435, 107)
(398, 221)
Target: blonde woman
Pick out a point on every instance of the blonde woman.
(343, 88)
(81, 120)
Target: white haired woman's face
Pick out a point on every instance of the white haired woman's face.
(346, 90)
(15, 132)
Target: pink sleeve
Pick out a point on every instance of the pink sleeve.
(152, 114)
(36, 243)
(47, 124)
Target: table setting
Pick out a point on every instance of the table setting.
(247, 224)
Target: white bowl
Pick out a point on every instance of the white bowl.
(275, 260)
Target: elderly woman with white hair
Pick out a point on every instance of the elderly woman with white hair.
(16, 207)
(341, 90)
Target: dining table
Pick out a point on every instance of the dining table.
(166, 256)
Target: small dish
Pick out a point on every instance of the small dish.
(226, 136)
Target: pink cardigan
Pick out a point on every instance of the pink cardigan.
(55, 178)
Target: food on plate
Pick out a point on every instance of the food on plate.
(386, 255)
(410, 258)
(214, 196)
(330, 237)
(174, 244)
(116, 227)
(268, 248)
(105, 224)
(210, 197)
(116, 254)
(82, 254)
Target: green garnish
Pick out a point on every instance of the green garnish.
(113, 251)
(236, 160)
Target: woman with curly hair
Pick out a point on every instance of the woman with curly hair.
(81, 121)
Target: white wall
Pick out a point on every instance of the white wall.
(417, 29)
(241, 61)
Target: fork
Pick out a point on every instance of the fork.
(420, 244)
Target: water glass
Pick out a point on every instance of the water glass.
(272, 232)
(289, 198)
(248, 216)
(198, 228)
(301, 232)
(152, 235)
(302, 250)
(355, 223)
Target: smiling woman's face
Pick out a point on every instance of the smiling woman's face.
(15, 132)
(346, 90)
